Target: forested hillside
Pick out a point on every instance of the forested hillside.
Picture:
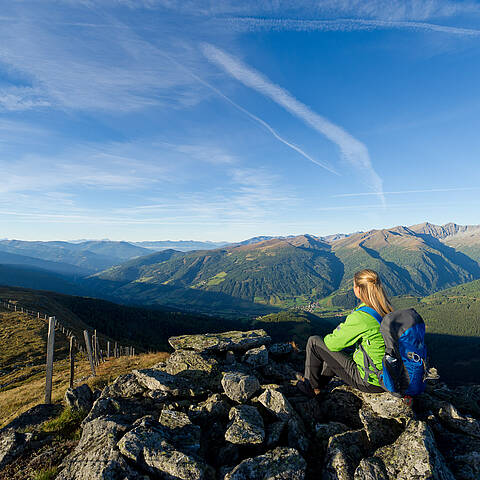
(255, 277)
(288, 272)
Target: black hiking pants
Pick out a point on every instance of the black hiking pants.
(322, 364)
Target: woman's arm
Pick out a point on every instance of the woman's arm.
(346, 334)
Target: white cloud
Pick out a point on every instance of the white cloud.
(256, 118)
(342, 25)
(107, 68)
(101, 167)
(21, 98)
(391, 10)
(354, 151)
(204, 153)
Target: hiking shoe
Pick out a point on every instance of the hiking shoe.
(306, 388)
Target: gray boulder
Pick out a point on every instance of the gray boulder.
(150, 449)
(414, 455)
(256, 357)
(126, 386)
(219, 342)
(102, 407)
(79, 398)
(213, 408)
(466, 398)
(181, 429)
(246, 427)
(344, 452)
(173, 385)
(280, 349)
(276, 402)
(324, 431)
(385, 405)
(240, 387)
(380, 431)
(467, 466)
(279, 464)
(297, 435)
(371, 469)
(96, 456)
(450, 416)
(12, 445)
(278, 372)
(273, 433)
(188, 360)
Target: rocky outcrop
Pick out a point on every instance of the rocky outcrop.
(12, 445)
(240, 387)
(80, 398)
(278, 464)
(220, 342)
(97, 455)
(225, 407)
(247, 426)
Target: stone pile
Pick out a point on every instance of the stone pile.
(225, 407)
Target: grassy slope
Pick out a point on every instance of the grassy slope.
(290, 272)
(22, 365)
(272, 272)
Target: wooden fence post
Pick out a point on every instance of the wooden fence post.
(89, 350)
(108, 349)
(50, 350)
(72, 362)
(116, 350)
(94, 348)
(99, 351)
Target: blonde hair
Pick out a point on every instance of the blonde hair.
(371, 291)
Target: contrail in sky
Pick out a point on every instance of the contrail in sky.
(402, 192)
(343, 25)
(253, 117)
(354, 151)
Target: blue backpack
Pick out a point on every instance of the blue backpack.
(405, 360)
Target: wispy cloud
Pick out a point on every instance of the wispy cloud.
(391, 10)
(406, 192)
(107, 167)
(108, 68)
(354, 151)
(21, 98)
(343, 25)
(247, 197)
(203, 153)
(256, 118)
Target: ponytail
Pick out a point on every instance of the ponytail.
(371, 291)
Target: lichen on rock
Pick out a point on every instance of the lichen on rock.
(219, 342)
(246, 427)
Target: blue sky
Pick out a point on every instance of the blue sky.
(164, 119)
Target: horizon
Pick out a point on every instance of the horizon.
(77, 240)
(154, 119)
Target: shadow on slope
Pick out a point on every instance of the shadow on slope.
(455, 256)
(174, 297)
(456, 358)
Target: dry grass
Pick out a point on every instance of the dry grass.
(22, 365)
(31, 391)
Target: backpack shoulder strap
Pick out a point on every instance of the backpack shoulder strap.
(366, 358)
(371, 312)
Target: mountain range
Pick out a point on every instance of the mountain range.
(254, 276)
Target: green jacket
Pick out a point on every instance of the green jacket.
(359, 326)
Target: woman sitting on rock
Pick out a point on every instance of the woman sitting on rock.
(324, 357)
